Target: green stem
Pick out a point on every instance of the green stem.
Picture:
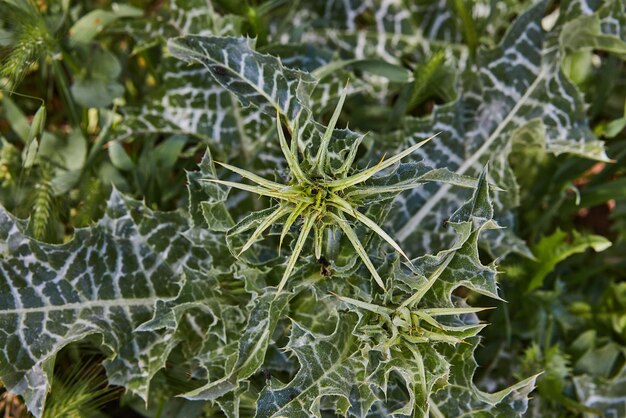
(101, 139)
(247, 146)
(27, 96)
(419, 361)
(59, 76)
(71, 63)
(547, 336)
(463, 11)
(332, 244)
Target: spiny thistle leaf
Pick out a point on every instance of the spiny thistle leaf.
(267, 222)
(364, 175)
(105, 281)
(264, 315)
(330, 365)
(308, 224)
(169, 286)
(519, 84)
(358, 247)
(192, 104)
(256, 79)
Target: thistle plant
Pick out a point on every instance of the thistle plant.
(320, 197)
(409, 324)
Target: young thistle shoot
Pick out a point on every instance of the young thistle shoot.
(408, 324)
(319, 197)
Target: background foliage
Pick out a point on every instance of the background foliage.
(118, 256)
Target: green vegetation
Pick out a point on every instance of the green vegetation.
(292, 209)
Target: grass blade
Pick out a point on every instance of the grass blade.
(294, 135)
(453, 311)
(365, 305)
(426, 318)
(318, 234)
(343, 170)
(436, 336)
(395, 188)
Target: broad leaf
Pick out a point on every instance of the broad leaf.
(461, 397)
(552, 249)
(185, 101)
(602, 394)
(516, 86)
(329, 366)
(253, 343)
(256, 79)
(105, 281)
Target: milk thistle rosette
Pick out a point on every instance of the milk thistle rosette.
(321, 198)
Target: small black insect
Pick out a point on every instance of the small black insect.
(325, 267)
(267, 375)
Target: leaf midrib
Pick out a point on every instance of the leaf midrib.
(198, 57)
(87, 305)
